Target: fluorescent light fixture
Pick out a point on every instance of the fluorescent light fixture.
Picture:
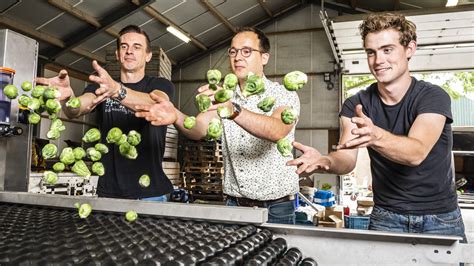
(452, 3)
(353, 51)
(178, 34)
(436, 46)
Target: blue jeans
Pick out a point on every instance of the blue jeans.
(162, 198)
(278, 213)
(449, 223)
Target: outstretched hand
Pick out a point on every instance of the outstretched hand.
(209, 92)
(366, 131)
(108, 87)
(310, 161)
(61, 82)
(162, 112)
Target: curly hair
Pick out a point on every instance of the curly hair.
(378, 22)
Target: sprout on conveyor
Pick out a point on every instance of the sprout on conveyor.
(79, 153)
(58, 167)
(84, 210)
(131, 216)
(10, 91)
(284, 147)
(92, 135)
(134, 138)
(266, 104)
(214, 129)
(289, 116)
(144, 180)
(295, 80)
(189, 122)
(98, 168)
(213, 78)
(230, 81)
(203, 102)
(222, 96)
(67, 156)
(49, 151)
(114, 135)
(253, 85)
(80, 168)
(50, 177)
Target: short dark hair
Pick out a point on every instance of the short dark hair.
(264, 42)
(383, 21)
(134, 29)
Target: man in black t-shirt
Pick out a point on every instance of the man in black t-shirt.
(115, 101)
(406, 126)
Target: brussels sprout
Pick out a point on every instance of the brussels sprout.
(224, 112)
(189, 122)
(295, 80)
(284, 147)
(53, 106)
(214, 130)
(38, 91)
(253, 85)
(49, 151)
(67, 156)
(203, 102)
(214, 76)
(93, 154)
(122, 139)
(223, 95)
(289, 116)
(50, 177)
(24, 100)
(26, 86)
(134, 138)
(57, 124)
(114, 135)
(84, 210)
(92, 135)
(102, 148)
(10, 91)
(81, 169)
(77, 205)
(131, 216)
(266, 104)
(98, 168)
(53, 134)
(73, 103)
(79, 153)
(58, 167)
(34, 118)
(51, 93)
(34, 104)
(230, 81)
(128, 150)
(144, 181)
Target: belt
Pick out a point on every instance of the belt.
(259, 203)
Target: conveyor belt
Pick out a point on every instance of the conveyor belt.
(34, 235)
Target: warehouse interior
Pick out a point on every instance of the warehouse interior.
(319, 38)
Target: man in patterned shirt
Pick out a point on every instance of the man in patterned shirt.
(255, 172)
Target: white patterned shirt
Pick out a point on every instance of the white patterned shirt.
(253, 167)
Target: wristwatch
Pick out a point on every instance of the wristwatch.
(237, 109)
(122, 93)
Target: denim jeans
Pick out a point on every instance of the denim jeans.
(449, 223)
(162, 198)
(278, 213)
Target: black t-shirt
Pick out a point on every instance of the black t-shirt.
(122, 174)
(424, 189)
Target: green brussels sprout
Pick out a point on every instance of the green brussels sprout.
(34, 104)
(80, 168)
(223, 95)
(10, 91)
(131, 216)
(134, 138)
(73, 103)
(128, 151)
(203, 102)
(24, 100)
(253, 85)
(84, 210)
(224, 112)
(77, 205)
(295, 80)
(53, 134)
(49, 151)
(53, 106)
(57, 124)
(122, 140)
(58, 167)
(189, 122)
(79, 153)
(114, 135)
(289, 116)
(92, 135)
(214, 130)
(93, 154)
(98, 168)
(102, 148)
(51, 93)
(230, 81)
(34, 118)
(266, 104)
(144, 181)
(50, 177)
(38, 91)
(213, 76)
(26, 86)
(284, 147)
(67, 156)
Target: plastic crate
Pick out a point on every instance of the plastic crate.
(357, 222)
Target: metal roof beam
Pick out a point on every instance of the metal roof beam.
(265, 8)
(218, 15)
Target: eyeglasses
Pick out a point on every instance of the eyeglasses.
(245, 52)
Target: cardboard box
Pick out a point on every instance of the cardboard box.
(332, 218)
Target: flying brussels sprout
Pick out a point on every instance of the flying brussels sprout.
(55, 129)
(26, 86)
(203, 102)
(284, 147)
(295, 80)
(51, 93)
(67, 156)
(84, 210)
(49, 151)
(102, 148)
(53, 134)
(144, 181)
(34, 118)
(224, 112)
(214, 130)
(213, 78)
(131, 216)
(93, 154)
(289, 116)
(98, 168)
(266, 104)
(122, 140)
(73, 103)
(34, 104)
(114, 135)
(92, 135)
(50, 177)
(24, 100)
(128, 151)
(10, 91)
(230, 81)
(53, 106)
(253, 85)
(223, 95)
(134, 138)
(79, 153)
(58, 167)
(189, 122)
(80, 168)
(38, 91)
